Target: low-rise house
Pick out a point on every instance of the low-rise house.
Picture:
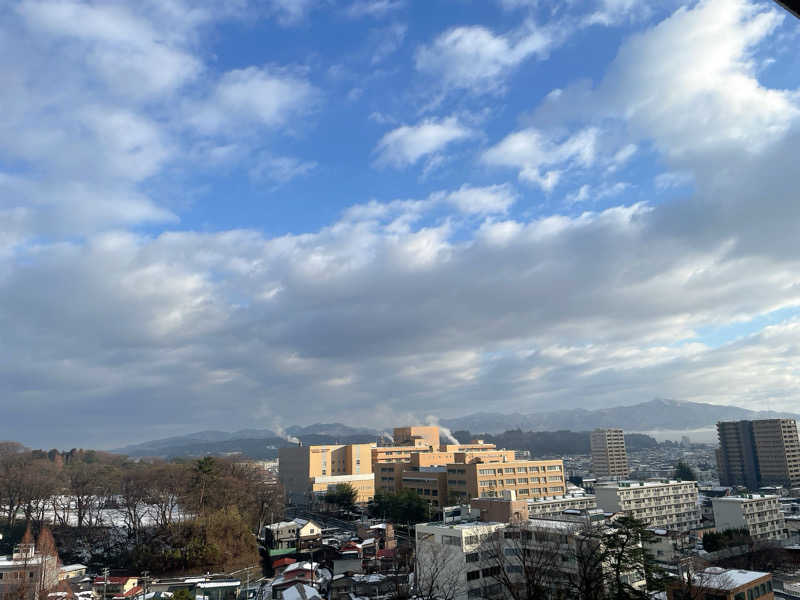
(71, 572)
(306, 573)
(116, 587)
(291, 534)
(301, 592)
(349, 585)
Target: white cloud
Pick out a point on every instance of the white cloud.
(613, 12)
(493, 199)
(541, 158)
(672, 179)
(281, 169)
(290, 12)
(133, 57)
(268, 96)
(407, 144)
(373, 8)
(598, 192)
(389, 40)
(474, 58)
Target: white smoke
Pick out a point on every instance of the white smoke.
(281, 432)
(432, 420)
(387, 435)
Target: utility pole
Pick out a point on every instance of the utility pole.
(145, 577)
(105, 582)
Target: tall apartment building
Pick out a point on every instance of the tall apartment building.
(663, 504)
(758, 513)
(307, 472)
(758, 453)
(609, 458)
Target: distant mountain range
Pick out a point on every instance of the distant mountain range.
(655, 415)
(658, 414)
(255, 443)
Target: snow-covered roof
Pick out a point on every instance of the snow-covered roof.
(300, 592)
(219, 584)
(305, 565)
(726, 579)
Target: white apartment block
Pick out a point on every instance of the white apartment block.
(664, 504)
(609, 458)
(458, 550)
(760, 514)
(555, 505)
(448, 556)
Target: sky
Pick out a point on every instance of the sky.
(224, 215)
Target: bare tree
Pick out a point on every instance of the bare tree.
(133, 496)
(589, 558)
(524, 560)
(439, 569)
(48, 557)
(166, 485)
(696, 579)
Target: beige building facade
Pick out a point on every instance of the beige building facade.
(760, 453)
(609, 457)
(308, 472)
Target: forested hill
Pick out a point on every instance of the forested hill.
(551, 443)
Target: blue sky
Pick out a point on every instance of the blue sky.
(212, 213)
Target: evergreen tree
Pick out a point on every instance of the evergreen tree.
(684, 472)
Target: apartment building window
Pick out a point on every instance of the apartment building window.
(554, 468)
(508, 470)
(511, 482)
(473, 575)
(523, 492)
(451, 540)
(522, 469)
(522, 480)
(472, 556)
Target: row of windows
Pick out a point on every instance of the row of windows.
(511, 470)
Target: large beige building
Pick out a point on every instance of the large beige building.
(440, 474)
(411, 436)
(609, 458)
(759, 453)
(665, 504)
(308, 472)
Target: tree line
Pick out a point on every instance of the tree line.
(147, 514)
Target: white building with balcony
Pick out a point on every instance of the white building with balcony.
(760, 514)
(666, 504)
